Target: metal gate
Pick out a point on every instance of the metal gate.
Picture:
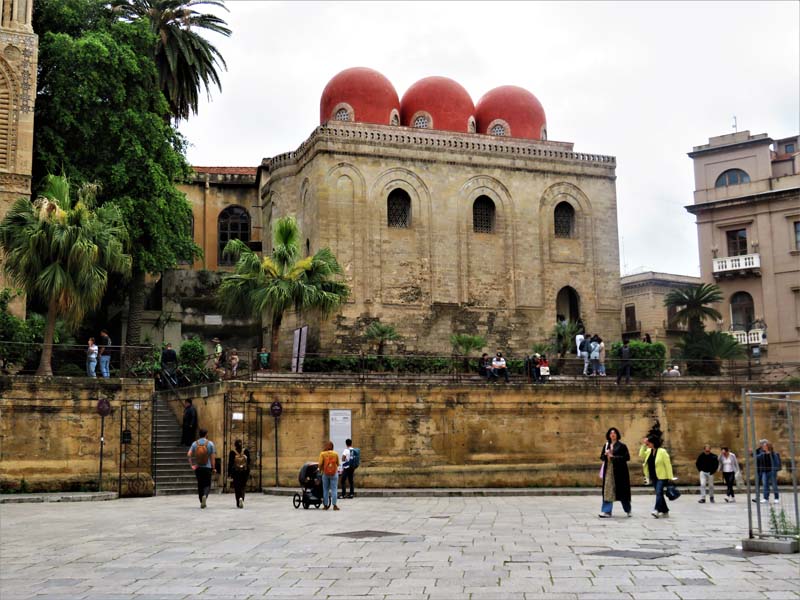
(136, 445)
(244, 421)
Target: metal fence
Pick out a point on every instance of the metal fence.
(772, 509)
(72, 360)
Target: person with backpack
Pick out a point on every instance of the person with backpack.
(624, 367)
(329, 467)
(583, 352)
(202, 458)
(239, 470)
(351, 458)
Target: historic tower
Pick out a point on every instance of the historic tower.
(18, 57)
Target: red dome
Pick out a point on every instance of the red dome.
(445, 101)
(522, 112)
(367, 95)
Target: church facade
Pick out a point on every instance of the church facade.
(449, 217)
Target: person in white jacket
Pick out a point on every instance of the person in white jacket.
(730, 469)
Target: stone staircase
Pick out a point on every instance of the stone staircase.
(172, 472)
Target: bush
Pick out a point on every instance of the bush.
(648, 360)
(192, 354)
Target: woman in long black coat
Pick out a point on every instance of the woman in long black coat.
(616, 479)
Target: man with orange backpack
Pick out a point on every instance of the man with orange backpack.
(329, 467)
(202, 458)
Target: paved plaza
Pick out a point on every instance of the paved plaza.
(406, 548)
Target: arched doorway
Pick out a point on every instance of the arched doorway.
(742, 311)
(568, 304)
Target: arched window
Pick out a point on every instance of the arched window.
(568, 304)
(398, 208)
(342, 115)
(483, 215)
(732, 177)
(564, 218)
(422, 122)
(498, 129)
(395, 118)
(233, 224)
(742, 311)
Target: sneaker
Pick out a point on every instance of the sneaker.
(203, 501)
(702, 501)
(604, 515)
(727, 499)
(629, 514)
(326, 507)
(241, 503)
(655, 514)
(777, 501)
(711, 499)
(663, 515)
(764, 501)
(335, 507)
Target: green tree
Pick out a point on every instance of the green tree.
(692, 305)
(464, 343)
(186, 61)
(705, 352)
(100, 116)
(61, 251)
(380, 333)
(281, 281)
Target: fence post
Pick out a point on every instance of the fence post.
(789, 409)
(747, 464)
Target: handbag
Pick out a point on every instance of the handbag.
(672, 492)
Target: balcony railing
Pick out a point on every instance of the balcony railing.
(631, 326)
(750, 338)
(733, 264)
(671, 326)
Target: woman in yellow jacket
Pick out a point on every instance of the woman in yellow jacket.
(657, 471)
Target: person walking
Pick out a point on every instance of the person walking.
(104, 350)
(239, 470)
(657, 469)
(624, 363)
(602, 357)
(189, 425)
(616, 479)
(583, 352)
(768, 463)
(707, 464)
(91, 358)
(729, 466)
(351, 458)
(594, 355)
(202, 458)
(329, 467)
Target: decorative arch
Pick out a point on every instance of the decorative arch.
(568, 303)
(732, 177)
(343, 112)
(343, 199)
(233, 223)
(9, 95)
(743, 311)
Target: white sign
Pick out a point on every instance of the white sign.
(213, 319)
(137, 406)
(340, 428)
(204, 392)
(238, 416)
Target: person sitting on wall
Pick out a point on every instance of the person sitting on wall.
(484, 366)
(499, 368)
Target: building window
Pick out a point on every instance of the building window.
(742, 311)
(233, 224)
(564, 217)
(394, 120)
(342, 115)
(630, 318)
(421, 122)
(398, 208)
(471, 127)
(671, 312)
(797, 235)
(789, 148)
(483, 215)
(498, 130)
(737, 242)
(732, 177)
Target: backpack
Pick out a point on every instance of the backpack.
(201, 454)
(582, 347)
(329, 466)
(355, 458)
(240, 461)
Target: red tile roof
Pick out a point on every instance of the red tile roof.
(227, 170)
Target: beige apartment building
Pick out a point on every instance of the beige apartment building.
(643, 310)
(747, 206)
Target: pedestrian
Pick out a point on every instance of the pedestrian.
(624, 367)
(329, 466)
(707, 464)
(169, 364)
(351, 459)
(730, 469)
(484, 366)
(91, 358)
(104, 350)
(583, 352)
(189, 426)
(263, 359)
(239, 470)
(234, 362)
(602, 357)
(768, 463)
(219, 354)
(202, 458)
(594, 355)
(616, 479)
(646, 339)
(657, 469)
(499, 367)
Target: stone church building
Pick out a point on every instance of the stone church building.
(448, 216)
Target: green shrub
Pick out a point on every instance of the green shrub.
(192, 354)
(647, 360)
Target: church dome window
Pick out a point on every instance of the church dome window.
(342, 115)
(498, 129)
(422, 122)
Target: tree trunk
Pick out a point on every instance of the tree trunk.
(136, 309)
(45, 363)
(274, 358)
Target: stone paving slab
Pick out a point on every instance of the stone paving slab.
(57, 497)
(487, 547)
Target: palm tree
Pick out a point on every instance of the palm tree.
(185, 60)
(463, 344)
(705, 352)
(692, 304)
(381, 333)
(61, 253)
(281, 281)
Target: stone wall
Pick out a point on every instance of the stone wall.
(50, 431)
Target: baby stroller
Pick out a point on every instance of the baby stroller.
(311, 482)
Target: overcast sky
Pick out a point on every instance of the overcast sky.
(640, 81)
